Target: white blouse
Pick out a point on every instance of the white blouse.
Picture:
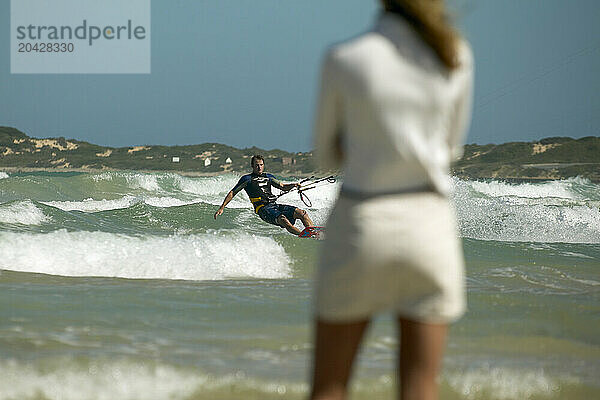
(397, 112)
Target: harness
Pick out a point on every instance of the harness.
(256, 200)
(263, 184)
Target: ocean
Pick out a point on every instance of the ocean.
(121, 285)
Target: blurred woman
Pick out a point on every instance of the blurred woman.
(393, 110)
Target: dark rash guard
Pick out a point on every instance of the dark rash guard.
(258, 188)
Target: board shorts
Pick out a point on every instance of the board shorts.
(398, 253)
(270, 212)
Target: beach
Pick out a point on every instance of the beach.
(121, 285)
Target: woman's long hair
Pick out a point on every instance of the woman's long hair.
(430, 20)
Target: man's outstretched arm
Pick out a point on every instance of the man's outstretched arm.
(242, 183)
(225, 202)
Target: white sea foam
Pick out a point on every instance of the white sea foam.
(135, 180)
(560, 189)
(100, 381)
(505, 384)
(129, 380)
(66, 379)
(166, 202)
(143, 181)
(496, 221)
(550, 212)
(199, 257)
(91, 205)
(3, 175)
(176, 190)
(23, 213)
(214, 185)
(104, 176)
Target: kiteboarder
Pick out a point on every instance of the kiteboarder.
(258, 187)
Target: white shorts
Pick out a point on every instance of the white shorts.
(394, 252)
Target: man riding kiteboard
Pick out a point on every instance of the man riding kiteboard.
(258, 187)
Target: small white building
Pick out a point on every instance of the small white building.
(175, 159)
(228, 161)
(206, 162)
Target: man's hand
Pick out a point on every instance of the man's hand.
(290, 186)
(219, 212)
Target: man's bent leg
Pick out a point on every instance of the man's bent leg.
(303, 216)
(283, 221)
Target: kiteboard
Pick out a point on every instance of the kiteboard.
(312, 232)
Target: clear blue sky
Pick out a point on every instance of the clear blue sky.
(244, 73)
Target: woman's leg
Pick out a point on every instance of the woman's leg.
(335, 349)
(421, 351)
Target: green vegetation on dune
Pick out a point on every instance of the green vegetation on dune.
(550, 158)
(21, 151)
